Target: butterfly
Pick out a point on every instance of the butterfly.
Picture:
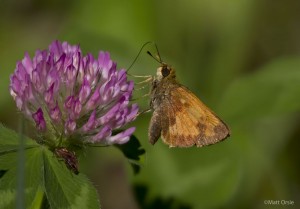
(179, 117)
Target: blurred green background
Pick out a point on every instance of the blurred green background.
(242, 58)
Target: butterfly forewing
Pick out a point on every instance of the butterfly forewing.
(188, 121)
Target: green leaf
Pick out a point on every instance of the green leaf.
(63, 188)
(44, 174)
(8, 183)
(9, 141)
(9, 147)
(133, 152)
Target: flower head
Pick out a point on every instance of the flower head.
(70, 95)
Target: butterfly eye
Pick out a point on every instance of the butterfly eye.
(165, 71)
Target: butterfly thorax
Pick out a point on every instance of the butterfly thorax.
(164, 82)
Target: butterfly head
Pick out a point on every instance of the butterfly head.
(165, 72)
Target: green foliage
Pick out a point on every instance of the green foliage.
(267, 92)
(261, 108)
(44, 174)
(141, 194)
(64, 189)
(133, 151)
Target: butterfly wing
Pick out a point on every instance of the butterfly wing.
(188, 121)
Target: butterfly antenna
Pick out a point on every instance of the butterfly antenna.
(157, 57)
(145, 44)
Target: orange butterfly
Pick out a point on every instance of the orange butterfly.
(179, 117)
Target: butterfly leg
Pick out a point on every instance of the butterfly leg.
(141, 76)
(141, 88)
(147, 80)
(144, 111)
